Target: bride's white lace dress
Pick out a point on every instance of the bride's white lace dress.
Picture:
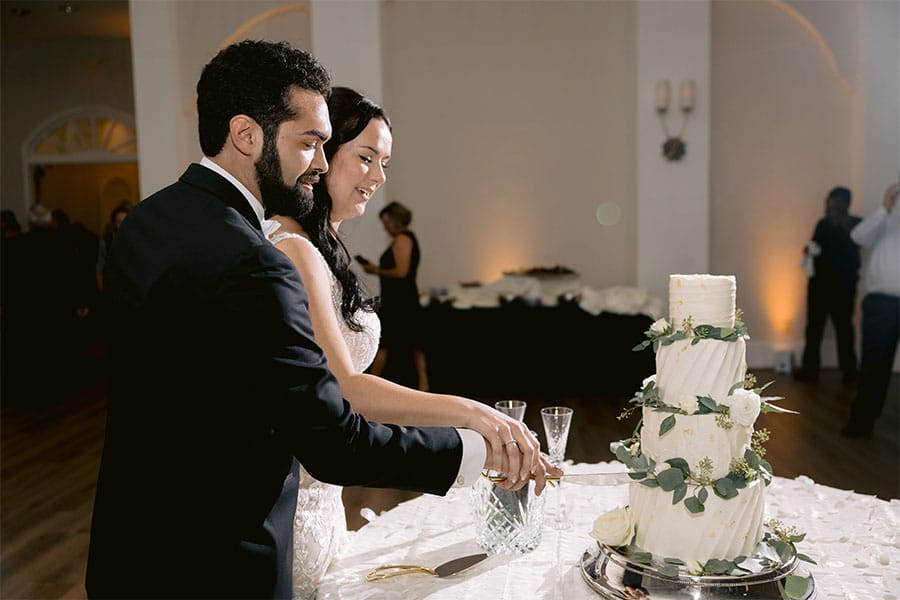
(320, 525)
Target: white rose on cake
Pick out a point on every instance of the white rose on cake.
(660, 326)
(743, 406)
(688, 404)
(648, 380)
(615, 528)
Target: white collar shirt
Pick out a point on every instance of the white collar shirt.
(880, 233)
(255, 204)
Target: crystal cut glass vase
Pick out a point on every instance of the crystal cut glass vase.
(507, 522)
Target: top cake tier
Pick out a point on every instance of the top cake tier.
(708, 299)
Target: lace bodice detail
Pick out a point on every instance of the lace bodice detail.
(362, 344)
(320, 525)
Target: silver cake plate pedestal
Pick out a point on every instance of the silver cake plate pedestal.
(615, 577)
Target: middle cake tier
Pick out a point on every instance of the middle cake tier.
(693, 368)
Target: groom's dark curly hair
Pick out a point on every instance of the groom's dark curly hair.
(253, 78)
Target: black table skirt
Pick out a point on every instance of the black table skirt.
(518, 351)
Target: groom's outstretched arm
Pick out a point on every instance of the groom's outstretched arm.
(309, 414)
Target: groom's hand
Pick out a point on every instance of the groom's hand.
(538, 473)
(513, 451)
(519, 467)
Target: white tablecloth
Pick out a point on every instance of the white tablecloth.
(546, 291)
(855, 540)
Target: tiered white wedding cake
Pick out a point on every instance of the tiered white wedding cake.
(697, 464)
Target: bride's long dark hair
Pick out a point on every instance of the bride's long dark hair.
(350, 113)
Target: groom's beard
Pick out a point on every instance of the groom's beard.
(277, 197)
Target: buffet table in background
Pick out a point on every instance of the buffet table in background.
(855, 540)
(521, 336)
(518, 350)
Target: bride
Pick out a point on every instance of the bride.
(347, 328)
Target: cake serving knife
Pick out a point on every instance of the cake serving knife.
(601, 479)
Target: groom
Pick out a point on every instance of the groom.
(217, 388)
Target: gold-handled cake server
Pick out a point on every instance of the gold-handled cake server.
(451, 567)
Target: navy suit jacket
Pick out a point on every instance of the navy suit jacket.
(216, 390)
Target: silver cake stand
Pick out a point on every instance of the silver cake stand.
(615, 577)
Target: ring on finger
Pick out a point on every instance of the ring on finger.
(510, 442)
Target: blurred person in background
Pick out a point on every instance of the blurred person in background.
(116, 217)
(879, 233)
(831, 291)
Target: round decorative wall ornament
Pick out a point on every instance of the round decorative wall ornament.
(674, 148)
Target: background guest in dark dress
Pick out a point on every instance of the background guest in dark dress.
(400, 311)
(832, 287)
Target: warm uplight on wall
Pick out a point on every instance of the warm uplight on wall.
(780, 294)
(674, 147)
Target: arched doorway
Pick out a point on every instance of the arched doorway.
(83, 161)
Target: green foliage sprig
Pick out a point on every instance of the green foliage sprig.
(649, 396)
(663, 332)
(757, 439)
(679, 479)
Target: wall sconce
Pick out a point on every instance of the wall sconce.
(674, 147)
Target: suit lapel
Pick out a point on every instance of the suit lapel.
(207, 179)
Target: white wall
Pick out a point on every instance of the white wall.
(513, 122)
(155, 90)
(346, 38)
(673, 44)
(881, 130)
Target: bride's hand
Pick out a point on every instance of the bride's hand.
(513, 449)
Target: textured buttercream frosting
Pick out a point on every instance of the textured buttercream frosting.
(693, 438)
(725, 529)
(708, 299)
(706, 368)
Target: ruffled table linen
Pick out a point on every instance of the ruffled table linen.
(855, 539)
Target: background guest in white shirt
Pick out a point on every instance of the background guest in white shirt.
(880, 233)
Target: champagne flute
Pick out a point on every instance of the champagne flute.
(512, 408)
(557, 420)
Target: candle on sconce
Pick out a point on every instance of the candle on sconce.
(686, 95)
(661, 98)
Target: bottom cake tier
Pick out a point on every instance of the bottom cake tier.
(725, 529)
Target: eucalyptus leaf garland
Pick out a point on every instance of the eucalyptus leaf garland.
(667, 334)
(679, 479)
(650, 396)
